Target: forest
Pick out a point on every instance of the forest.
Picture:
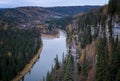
(17, 48)
(102, 61)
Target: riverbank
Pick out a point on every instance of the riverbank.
(52, 36)
(28, 67)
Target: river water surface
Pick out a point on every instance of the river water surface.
(51, 47)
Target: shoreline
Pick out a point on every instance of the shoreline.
(57, 35)
(28, 67)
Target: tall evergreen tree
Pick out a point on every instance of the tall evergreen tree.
(84, 65)
(102, 61)
(57, 64)
(118, 75)
(115, 59)
(113, 6)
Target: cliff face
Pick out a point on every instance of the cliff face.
(93, 43)
(96, 50)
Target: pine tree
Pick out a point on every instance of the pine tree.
(118, 6)
(115, 59)
(84, 65)
(48, 77)
(113, 7)
(57, 64)
(43, 79)
(63, 58)
(102, 71)
(118, 75)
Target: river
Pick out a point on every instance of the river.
(51, 47)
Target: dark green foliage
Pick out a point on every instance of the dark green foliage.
(17, 47)
(91, 18)
(115, 59)
(102, 72)
(65, 71)
(63, 58)
(108, 69)
(57, 64)
(85, 65)
(61, 23)
(114, 7)
(86, 37)
(118, 75)
(49, 77)
(68, 69)
(110, 9)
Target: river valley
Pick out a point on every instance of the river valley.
(51, 47)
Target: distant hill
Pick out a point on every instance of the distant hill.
(26, 14)
(29, 14)
(71, 10)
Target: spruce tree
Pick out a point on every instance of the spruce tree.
(115, 59)
(84, 65)
(113, 6)
(118, 75)
(102, 61)
(57, 64)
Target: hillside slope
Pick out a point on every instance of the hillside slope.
(71, 10)
(22, 15)
(93, 43)
(26, 14)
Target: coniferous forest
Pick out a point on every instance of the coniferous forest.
(17, 48)
(93, 35)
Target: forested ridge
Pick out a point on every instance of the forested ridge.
(61, 23)
(97, 46)
(29, 14)
(17, 48)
